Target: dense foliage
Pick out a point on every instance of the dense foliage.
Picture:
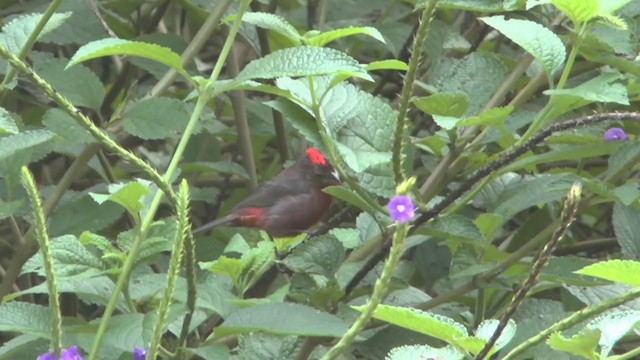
(489, 150)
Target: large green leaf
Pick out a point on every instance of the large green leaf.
(619, 271)
(112, 46)
(302, 61)
(536, 39)
(626, 224)
(283, 319)
(271, 22)
(156, 118)
(16, 32)
(70, 258)
(25, 318)
(320, 255)
(61, 123)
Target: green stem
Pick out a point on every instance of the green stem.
(407, 88)
(43, 239)
(174, 268)
(379, 290)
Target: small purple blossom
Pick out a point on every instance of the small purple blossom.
(401, 208)
(614, 134)
(139, 354)
(71, 353)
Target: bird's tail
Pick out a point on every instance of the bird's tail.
(229, 219)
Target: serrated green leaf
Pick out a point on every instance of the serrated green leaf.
(61, 123)
(486, 329)
(582, 344)
(7, 123)
(627, 193)
(282, 319)
(16, 32)
(435, 325)
(16, 144)
(578, 11)
(270, 22)
(25, 318)
(389, 64)
(155, 118)
(225, 266)
(477, 75)
(613, 326)
(451, 104)
(570, 152)
(412, 352)
(79, 84)
(489, 117)
(471, 5)
(348, 237)
(83, 214)
(112, 46)
(302, 61)
(128, 196)
(619, 271)
(489, 224)
(323, 38)
(361, 125)
(626, 225)
(320, 255)
(537, 40)
(600, 89)
(70, 258)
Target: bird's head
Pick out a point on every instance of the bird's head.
(323, 173)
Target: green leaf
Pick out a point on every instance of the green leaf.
(611, 6)
(412, 352)
(389, 64)
(282, 319)
(219, 167)
(625, 157)
(270, 22)
(453, 104)
(302, 61)
(489, 224)
(7, 123)
(345, 194)
(321, 255)
(578, 11)
(454, 227)
(16, 32)
(112, 46)
(437, 326)
(626, 225)
(613, 326)
(225, 266)
(627, 193)
(83, 214)
(601, 89)
(128, 196)
(70, 258)
(61, 123)
(570, 152)
(156, 118)
(361, 125)
(471, 5)
(619, 271)
(21, 143)
(490, 117)
(79, 84)
(477, 75)
(323, 38)
(582, 344)
(25, 318)
(537, 40)
(125, 331)
(486, 329)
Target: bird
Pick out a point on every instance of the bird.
(289, 204)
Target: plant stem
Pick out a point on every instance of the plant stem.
(379, 290)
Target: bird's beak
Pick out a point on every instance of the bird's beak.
(335, 175)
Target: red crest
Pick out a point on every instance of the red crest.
(316, 157)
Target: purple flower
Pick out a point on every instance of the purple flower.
(614, 134)
(66, 354)
(139, 354)
(401, 208)
(47, 356)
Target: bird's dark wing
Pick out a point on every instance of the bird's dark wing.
(265, 195)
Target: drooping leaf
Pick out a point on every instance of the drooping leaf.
(619, 271)
(323, 38)
(283, 319)
(582, 344)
